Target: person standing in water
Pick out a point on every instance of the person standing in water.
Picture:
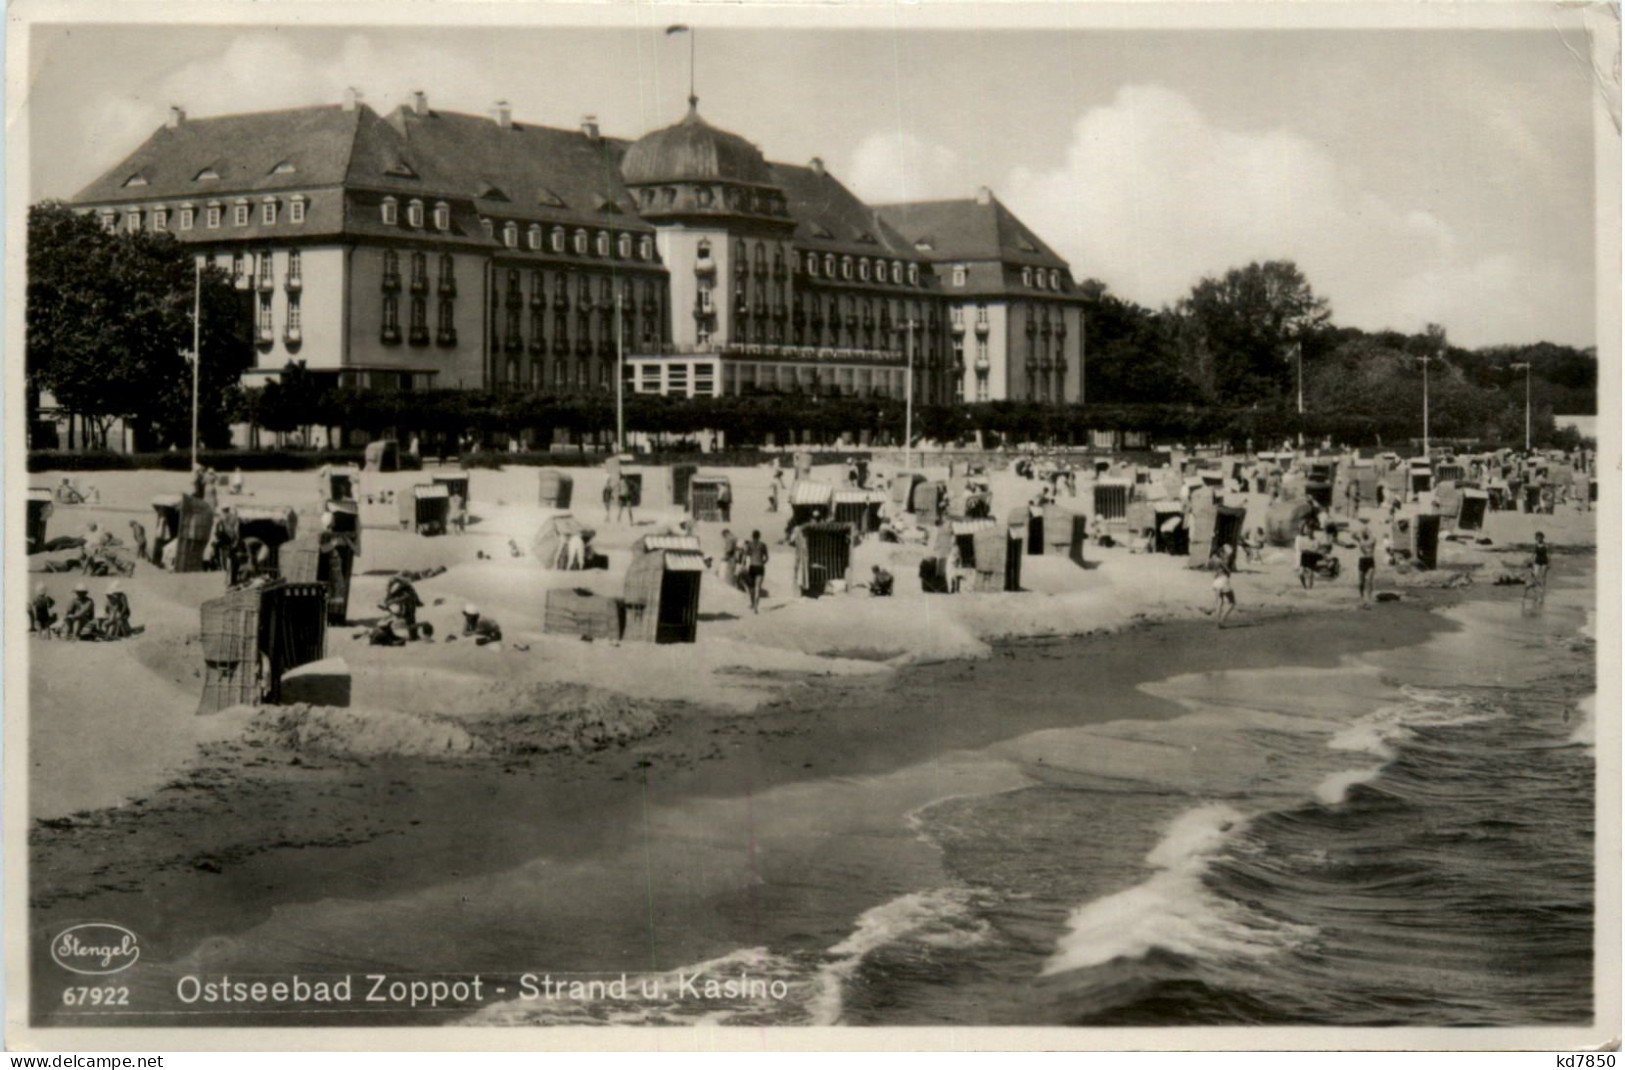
(1224, 593)
(1368, 562)
(1540, 565)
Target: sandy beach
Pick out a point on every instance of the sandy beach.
(229, 838)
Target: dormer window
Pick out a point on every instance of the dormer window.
(623, 247)
(812, 264)
(601, 244)
(829, 265)
(284, 168)
(239, 213)
(160, 219)
(557, 239)
(390, 212)
(959, 274)
(1054, 279)
(268, 211)
(135, 180)
(211, 215)
(510, 234)
(1026, 276)
(646, 248)
(188, 216)
(914, 274)
(863, 269)
(208, 174)
(846, 267)
(581, 243)
(414, 213)
(706, 196)
(442, 216)
(296, 210)
(132, 221)
(533, 237)
(702, 251)
(897, 272)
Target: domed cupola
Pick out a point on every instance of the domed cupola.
(693, 168)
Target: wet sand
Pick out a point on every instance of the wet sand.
(255, 831)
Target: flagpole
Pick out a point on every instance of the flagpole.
(197, 351)
(620, 376)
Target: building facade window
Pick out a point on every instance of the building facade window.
(557, 239)
(212, 216)
(812, 264)
(389, 212)
(448, 275)
(294, 266)
(624, 247)
(188, 216)
(863, 270)
(914, 274)
(264, 318)
(160, 219)
(296, 210)
(581, 243)
(239, 214)
(510, 234)
(981, 312)
(533, 237)
(414, 213)
(132, 221)
(268, 212)
(646, 248)
(846, 267)
(601, 243)
(293, 314)
(959, 274)
(442, 216)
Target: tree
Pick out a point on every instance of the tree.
(109, 327)
(1242, 330)
(1129, 353)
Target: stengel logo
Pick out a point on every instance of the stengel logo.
(95, 948)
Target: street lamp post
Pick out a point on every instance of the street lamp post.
(197, 350)
(1527, 436)
(908, 397)
(1427, 452)
(620, 376)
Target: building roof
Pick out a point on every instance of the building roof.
(970, 229)
(259, 151)
(829, 216)
(694, 151)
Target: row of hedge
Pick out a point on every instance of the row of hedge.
(304, 460)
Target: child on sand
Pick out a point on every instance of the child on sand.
(1224, 595)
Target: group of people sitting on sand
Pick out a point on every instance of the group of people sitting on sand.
(79, 620)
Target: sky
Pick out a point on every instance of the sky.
(1415, 176)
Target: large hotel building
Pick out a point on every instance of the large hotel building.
(428, 249)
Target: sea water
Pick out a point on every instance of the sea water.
(1403, 839)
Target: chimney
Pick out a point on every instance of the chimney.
(817, 165)
(502, 114)
(984, 195)
(352, 98)
(589, 126)
(420, 102)
(177, 116)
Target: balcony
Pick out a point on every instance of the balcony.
(958, 328)
(240, 281)
(292, 337)
(448, 287)
(446, 336)
(583, 347)
(982, 328)
(982, 365)
(705, 268)
(514, 343)
(392, 284)
(420, 284)
(264, 335)
(561, 345)
(293, 284)
(418, 336)
(538, 299)
(266, 284)
(561, 303)
(390, 336)
(538, 345)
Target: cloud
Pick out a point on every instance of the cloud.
(1152, 195)
(902, 167)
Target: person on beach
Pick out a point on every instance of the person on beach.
(42, 612)
(725, 502)
(755, 568)
(1253, 545)
(1224, 594)
(138, 536)
(609, 496)
(484, 630)
(1540, 565)
(880, 582)
(79, 621)
(237, 481)
(401, 602)
(730, 559)
(459, 514)
(623, 497)
(1308, 559)
(116, 618)
(1367, 545)
(774, 489)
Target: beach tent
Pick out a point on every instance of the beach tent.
(1284, 519)
(320, 557)
(1319, 492)
(550, 545)
(705, 498)
(1111, 498)
(811, 501)
(823, 553)
(340, 483)
(554, 488)
(1425, 540)
(963, 533)
(273, 525)
(860, 508)
(1448, 497)
(997, 551)
(1170, 535)
(1419, 477)
(803, 465)
(456, 483)
(252, 635)
(383, 455)
(678, 479)
(187, 521)
(1065, 532)
(425, 508)
(580, 612)
(902, 489)
(663, 589)
(1472, 509)
(39, 511)
(929, 501)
